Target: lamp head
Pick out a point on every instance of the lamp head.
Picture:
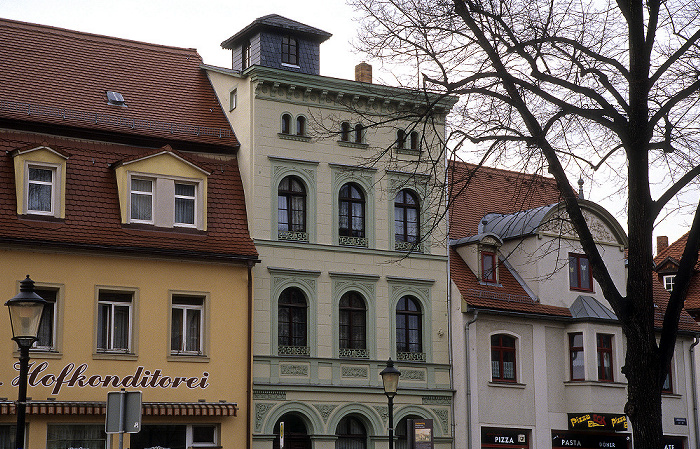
(25, 313)
(390, 377)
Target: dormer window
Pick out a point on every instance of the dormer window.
(488, 267)
(290, 51)
(669, 281)
(40, 182)
(41, 188)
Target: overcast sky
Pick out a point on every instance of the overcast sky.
(204, 24)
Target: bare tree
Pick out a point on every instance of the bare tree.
(575, 84)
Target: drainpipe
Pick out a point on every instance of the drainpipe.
(467, 379)
(694, 386)
(249, 411)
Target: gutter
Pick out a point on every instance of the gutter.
(249, 387)
(694, 387)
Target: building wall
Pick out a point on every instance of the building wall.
(221, 372)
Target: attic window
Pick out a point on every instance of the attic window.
(669, 281)
(115, 98)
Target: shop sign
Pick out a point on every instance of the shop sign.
(566, 440)
(673, 442)
(597, 421)
(79, 376)
(511, 438)
(420, 433)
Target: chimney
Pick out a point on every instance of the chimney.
(661, 243)
(363, 73)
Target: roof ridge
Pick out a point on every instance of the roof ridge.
(502, 170)
(88, 36)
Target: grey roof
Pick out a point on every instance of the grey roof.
(275, 21)
(514, 225)
(588, 308)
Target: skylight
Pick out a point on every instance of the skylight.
(115, 98)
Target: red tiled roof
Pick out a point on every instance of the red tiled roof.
(674, 251)
(54, 76)
(92, 204)
(686, 322)
(477, 192)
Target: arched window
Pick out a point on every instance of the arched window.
(502, 358)
(358, 133)
(286, 123)
(345, 132)
(401, 432)
(415, 140)
(295, 433)
(409, 327)
(291, 208)
(291, 322)
(351, 434)
(400, 139)
(352, 211)
(353, 323)
(301, 125)
(406, 219)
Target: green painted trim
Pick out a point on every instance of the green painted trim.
(307, 173)
(398, 255)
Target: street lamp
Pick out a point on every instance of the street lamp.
(390, 377)
(25, 313)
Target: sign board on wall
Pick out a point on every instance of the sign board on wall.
(494, 437)
(598, 421)
(419, 433)
(565, 440)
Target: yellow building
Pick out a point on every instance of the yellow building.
(121, 198)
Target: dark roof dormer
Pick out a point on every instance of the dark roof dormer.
(277, 42)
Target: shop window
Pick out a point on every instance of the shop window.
(114, 321)
(187, 325)
(406, 220)
(580, 276)
(351, 227)
(291, 209)
(351, 434)
(409, 329)
(7, 435)
(61, 436)
(176, 436)
(502, 358)
(488, 266)
(47, 326)
(605, 357)
(353, 326)
(576, 361)
(669, 281)
(292, 323)
(290, 51)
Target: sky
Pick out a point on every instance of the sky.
(204, 24)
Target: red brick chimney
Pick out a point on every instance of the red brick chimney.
(363, 73)
(661, 243)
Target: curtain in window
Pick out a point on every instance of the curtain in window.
(45, 335)
(61, 436)
(184, 203)
(176, 331)
(194, 319)
(141, 199)
(121, 327)
(40, 182)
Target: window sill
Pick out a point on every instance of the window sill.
(114, 356)
(294, 137)
(669, 394)
(188, 358)
(343, 143)
(517, 385)
(408, 151)
(175, 229)
(45, 354)
(595, 383)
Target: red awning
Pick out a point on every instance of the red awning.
(148, 408)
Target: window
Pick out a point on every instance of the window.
(502, 358)
(7, 435)
(187, 325)
(409, 328)
(406, 220)
(351, 434)
(232, 99)
(185, 200)
(141, 200)
(290, 50)
(295, 433)
(580, 277)
(605, 357)
(488, 266)
(47, 326)
(291, 209)
(667, 386)
(669, 281)
(400, 139)
(352, 211)
(353, 323)
(176, 436)
(576, 362)
(286, 123)
(291, 321)
(301, 125)
(359, 133)
(345, 132)
(415, 140)
(41, 190)
(245, 55)
(114, 321)
(115, 98)
(60, 436)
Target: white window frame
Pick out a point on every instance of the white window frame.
(232, 99)
(54, 168)
(193, 198)
(152, 194)
(669, 282)
(185, 308)
(110, 325)
(190, 436)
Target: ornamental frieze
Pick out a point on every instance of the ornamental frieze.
(561, 226)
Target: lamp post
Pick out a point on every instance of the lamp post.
(25, 313)
(390, 377)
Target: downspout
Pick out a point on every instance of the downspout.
(249, 411)
(467, 379)
(449, 317)
(694, 388)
